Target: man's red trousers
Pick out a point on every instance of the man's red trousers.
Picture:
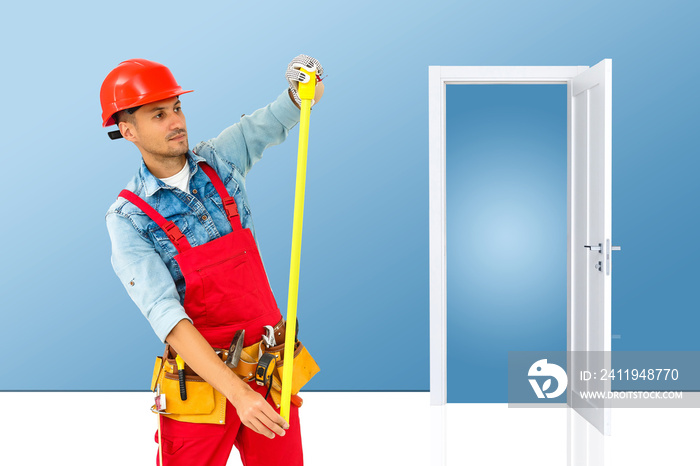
(187, 444)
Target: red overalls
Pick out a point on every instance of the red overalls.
(226, 290)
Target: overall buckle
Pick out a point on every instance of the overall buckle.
(230, 207)
(173, 233)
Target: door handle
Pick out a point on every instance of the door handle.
(608, 250)
(599, 248)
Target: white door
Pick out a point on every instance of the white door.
(589, 214)
(590, 246)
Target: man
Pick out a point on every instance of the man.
(186, 254)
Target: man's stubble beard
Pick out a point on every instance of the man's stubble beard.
(171, 153)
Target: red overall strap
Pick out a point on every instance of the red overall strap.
(174, 234)
(229, 201)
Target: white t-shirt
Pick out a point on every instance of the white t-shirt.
(179, 180)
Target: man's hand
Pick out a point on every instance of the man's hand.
(294, 76)
(257, 414)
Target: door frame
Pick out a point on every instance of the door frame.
(438, 79)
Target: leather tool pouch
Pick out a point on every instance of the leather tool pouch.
(206, 405)
(203, 404)
(304, 365)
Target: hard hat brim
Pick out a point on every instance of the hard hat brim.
(142, 100)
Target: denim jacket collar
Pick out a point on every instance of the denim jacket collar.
(151, 184)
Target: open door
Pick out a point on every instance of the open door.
(590, 247)
(589, 250)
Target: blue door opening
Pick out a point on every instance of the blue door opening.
(506, 187)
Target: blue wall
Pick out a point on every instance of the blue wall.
(365, 256)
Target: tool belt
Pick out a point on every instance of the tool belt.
(204, 404)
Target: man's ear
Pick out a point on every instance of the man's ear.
(127, 130)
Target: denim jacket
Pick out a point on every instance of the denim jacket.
(142, 255)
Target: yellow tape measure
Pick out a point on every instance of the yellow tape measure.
(307, 92)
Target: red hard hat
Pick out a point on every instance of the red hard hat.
(133, 83)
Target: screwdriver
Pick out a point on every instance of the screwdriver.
(181, 375)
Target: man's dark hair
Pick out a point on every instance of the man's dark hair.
(125, 115)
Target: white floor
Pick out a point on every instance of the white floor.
(347, 428)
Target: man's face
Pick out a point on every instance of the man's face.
(158, 129)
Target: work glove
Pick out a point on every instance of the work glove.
(294, 75)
